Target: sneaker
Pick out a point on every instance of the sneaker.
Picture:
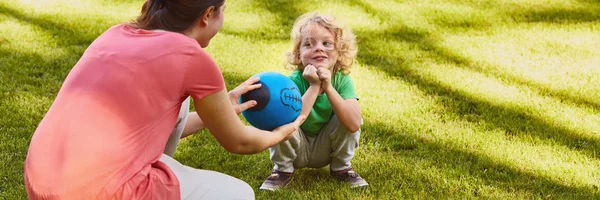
(348, 175)
(276, 180)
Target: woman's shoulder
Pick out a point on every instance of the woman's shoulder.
(158, 36)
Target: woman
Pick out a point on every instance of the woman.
(105, 133)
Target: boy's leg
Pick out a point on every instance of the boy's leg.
(287, 156)
(334, 145)
(343, 144)
(178, 130)
(204, 184)
(290, 154)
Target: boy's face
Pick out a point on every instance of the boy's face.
(318, 47)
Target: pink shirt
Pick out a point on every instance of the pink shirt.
(109, 124)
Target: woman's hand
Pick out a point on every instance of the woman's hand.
(243, 88)
(310, 74)
(288, 130)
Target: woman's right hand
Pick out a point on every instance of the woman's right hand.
(246, 86)
(310, 74)
(288, 130)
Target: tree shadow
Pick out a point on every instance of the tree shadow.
(455, 163)
(28, 71)
(287, 12)
(513, 121)
(66, 36)
(548, 15)
(21, 72)
(556, 15)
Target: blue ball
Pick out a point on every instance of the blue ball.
(278, 101)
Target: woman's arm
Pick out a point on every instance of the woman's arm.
(195, 124)
(219, 117)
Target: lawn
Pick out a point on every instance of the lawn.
(461, 99)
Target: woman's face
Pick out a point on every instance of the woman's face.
(318, 47)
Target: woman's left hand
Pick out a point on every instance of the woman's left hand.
(243, 88)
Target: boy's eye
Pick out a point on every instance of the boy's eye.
(306, 44)
(327, 43)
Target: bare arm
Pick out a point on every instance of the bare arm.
(219, 116)
(195, 124)
(310, 96)
(347, 111)
(308, 99)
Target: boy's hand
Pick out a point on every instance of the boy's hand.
(243, 88)
(310, 74)
(325, 77)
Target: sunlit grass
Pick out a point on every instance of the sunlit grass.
(461, 99)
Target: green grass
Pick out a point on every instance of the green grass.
(461, 99)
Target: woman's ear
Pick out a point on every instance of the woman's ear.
(208, 13)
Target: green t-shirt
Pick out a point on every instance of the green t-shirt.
(322, 111)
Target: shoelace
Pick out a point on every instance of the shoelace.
(275, 176)
(352, 174)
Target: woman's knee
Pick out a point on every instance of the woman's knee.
(245, 190)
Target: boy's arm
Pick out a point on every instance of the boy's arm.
(347, 111)
(310, 96)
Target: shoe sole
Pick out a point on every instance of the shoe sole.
(265, 188)
(362, 184)
(271, 188)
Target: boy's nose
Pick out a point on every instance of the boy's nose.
(319, 47)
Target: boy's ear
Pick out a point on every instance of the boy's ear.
(206, 15)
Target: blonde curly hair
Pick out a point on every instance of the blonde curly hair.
(345, 41)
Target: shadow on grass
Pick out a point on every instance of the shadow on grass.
(541, 89)
(287, 12)
(35, 73)
(515, 122)
(455, 163)
(548, 15)
(591, 13)
(32, 73)
(65, 35)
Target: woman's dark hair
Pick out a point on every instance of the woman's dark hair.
(173, 15)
